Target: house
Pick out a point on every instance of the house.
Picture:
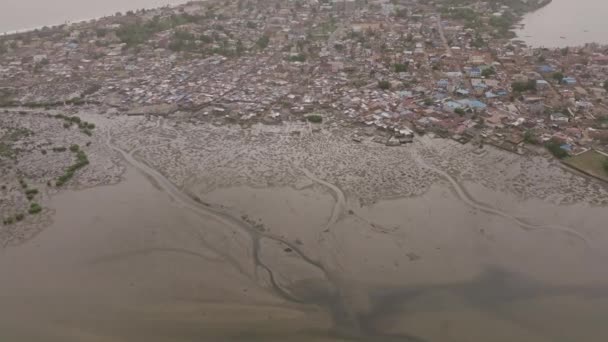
(475, 72)
(443, 83)
(462, 92)
(559, 117)
(490, 95)
(542, 84)
(569, 80)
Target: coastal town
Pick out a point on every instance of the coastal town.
(400, 66)
(376, 70)
(303, 170)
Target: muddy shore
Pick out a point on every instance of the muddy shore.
(224, 233)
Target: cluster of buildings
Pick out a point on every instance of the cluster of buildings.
(394, 66)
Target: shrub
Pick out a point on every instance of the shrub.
(606, 165)
(555, 148)
(74, 148)
(30, 193)
(314, 118)
(384, 85)
(35, 208)
(530, 138)
(400, 67)
(459, 111)
(87, 132)
(59, 149)
(19, 217)
(8, 221)
(297, 58)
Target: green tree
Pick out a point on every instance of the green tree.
(487, 72)
(558, 76)
(459, 111)
(555, 148)
(263, 42)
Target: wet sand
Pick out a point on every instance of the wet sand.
(300, 256)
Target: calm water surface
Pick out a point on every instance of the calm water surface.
(566, 23)
(27, 14)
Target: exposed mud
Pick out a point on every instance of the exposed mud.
(223, 233)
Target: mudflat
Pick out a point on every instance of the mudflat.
(223, 233)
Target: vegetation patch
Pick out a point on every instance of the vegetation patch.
(34, 209)
(590, 162)
(31, 193)
(81, 161)
(314, 118)
(555, 147)
(85, 127)
(384, 85)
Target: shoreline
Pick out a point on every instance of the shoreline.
(88, 20)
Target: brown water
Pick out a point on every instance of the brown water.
(139, 262)
(566, 23)
(28, 14)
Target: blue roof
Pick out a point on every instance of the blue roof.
(472, 103)
(453, 105)
(545, 68)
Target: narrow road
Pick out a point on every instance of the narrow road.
(448, 51)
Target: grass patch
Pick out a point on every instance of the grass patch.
(6, 141)
(314, 118)
(35, 208)
(590, 162)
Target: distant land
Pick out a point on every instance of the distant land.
(19, 15)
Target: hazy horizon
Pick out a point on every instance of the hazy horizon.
(17, 15)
